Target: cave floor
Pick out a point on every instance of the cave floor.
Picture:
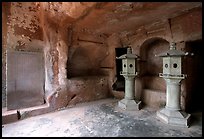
(100, 118)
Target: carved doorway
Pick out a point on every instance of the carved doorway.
(194, 81)
(119, 84)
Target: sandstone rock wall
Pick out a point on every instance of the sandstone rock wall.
(72, 51)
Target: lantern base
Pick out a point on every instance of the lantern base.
(127, 104)
(173, 117)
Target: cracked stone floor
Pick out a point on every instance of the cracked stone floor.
(100, 118)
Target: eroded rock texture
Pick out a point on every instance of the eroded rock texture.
(78, 41)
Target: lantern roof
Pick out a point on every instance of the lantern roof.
(172, 52)
(129, 55)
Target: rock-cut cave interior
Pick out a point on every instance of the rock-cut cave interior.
(63, 65)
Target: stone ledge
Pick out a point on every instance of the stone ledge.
(9, 116)
(153, 98)
(15, 115)
(118, 94)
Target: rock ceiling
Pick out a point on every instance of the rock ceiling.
(116, 17)
(110, 17)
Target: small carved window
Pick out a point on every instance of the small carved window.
(124, 65)
(166, 65)
(175, 65)
(131, 65)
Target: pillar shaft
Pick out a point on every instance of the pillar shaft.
(129, 102)
(173, 94)
(172, 113)
(129, 88)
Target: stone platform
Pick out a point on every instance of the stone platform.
(172, 117)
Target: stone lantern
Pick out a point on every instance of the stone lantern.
(172, 67)
(129, 72)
